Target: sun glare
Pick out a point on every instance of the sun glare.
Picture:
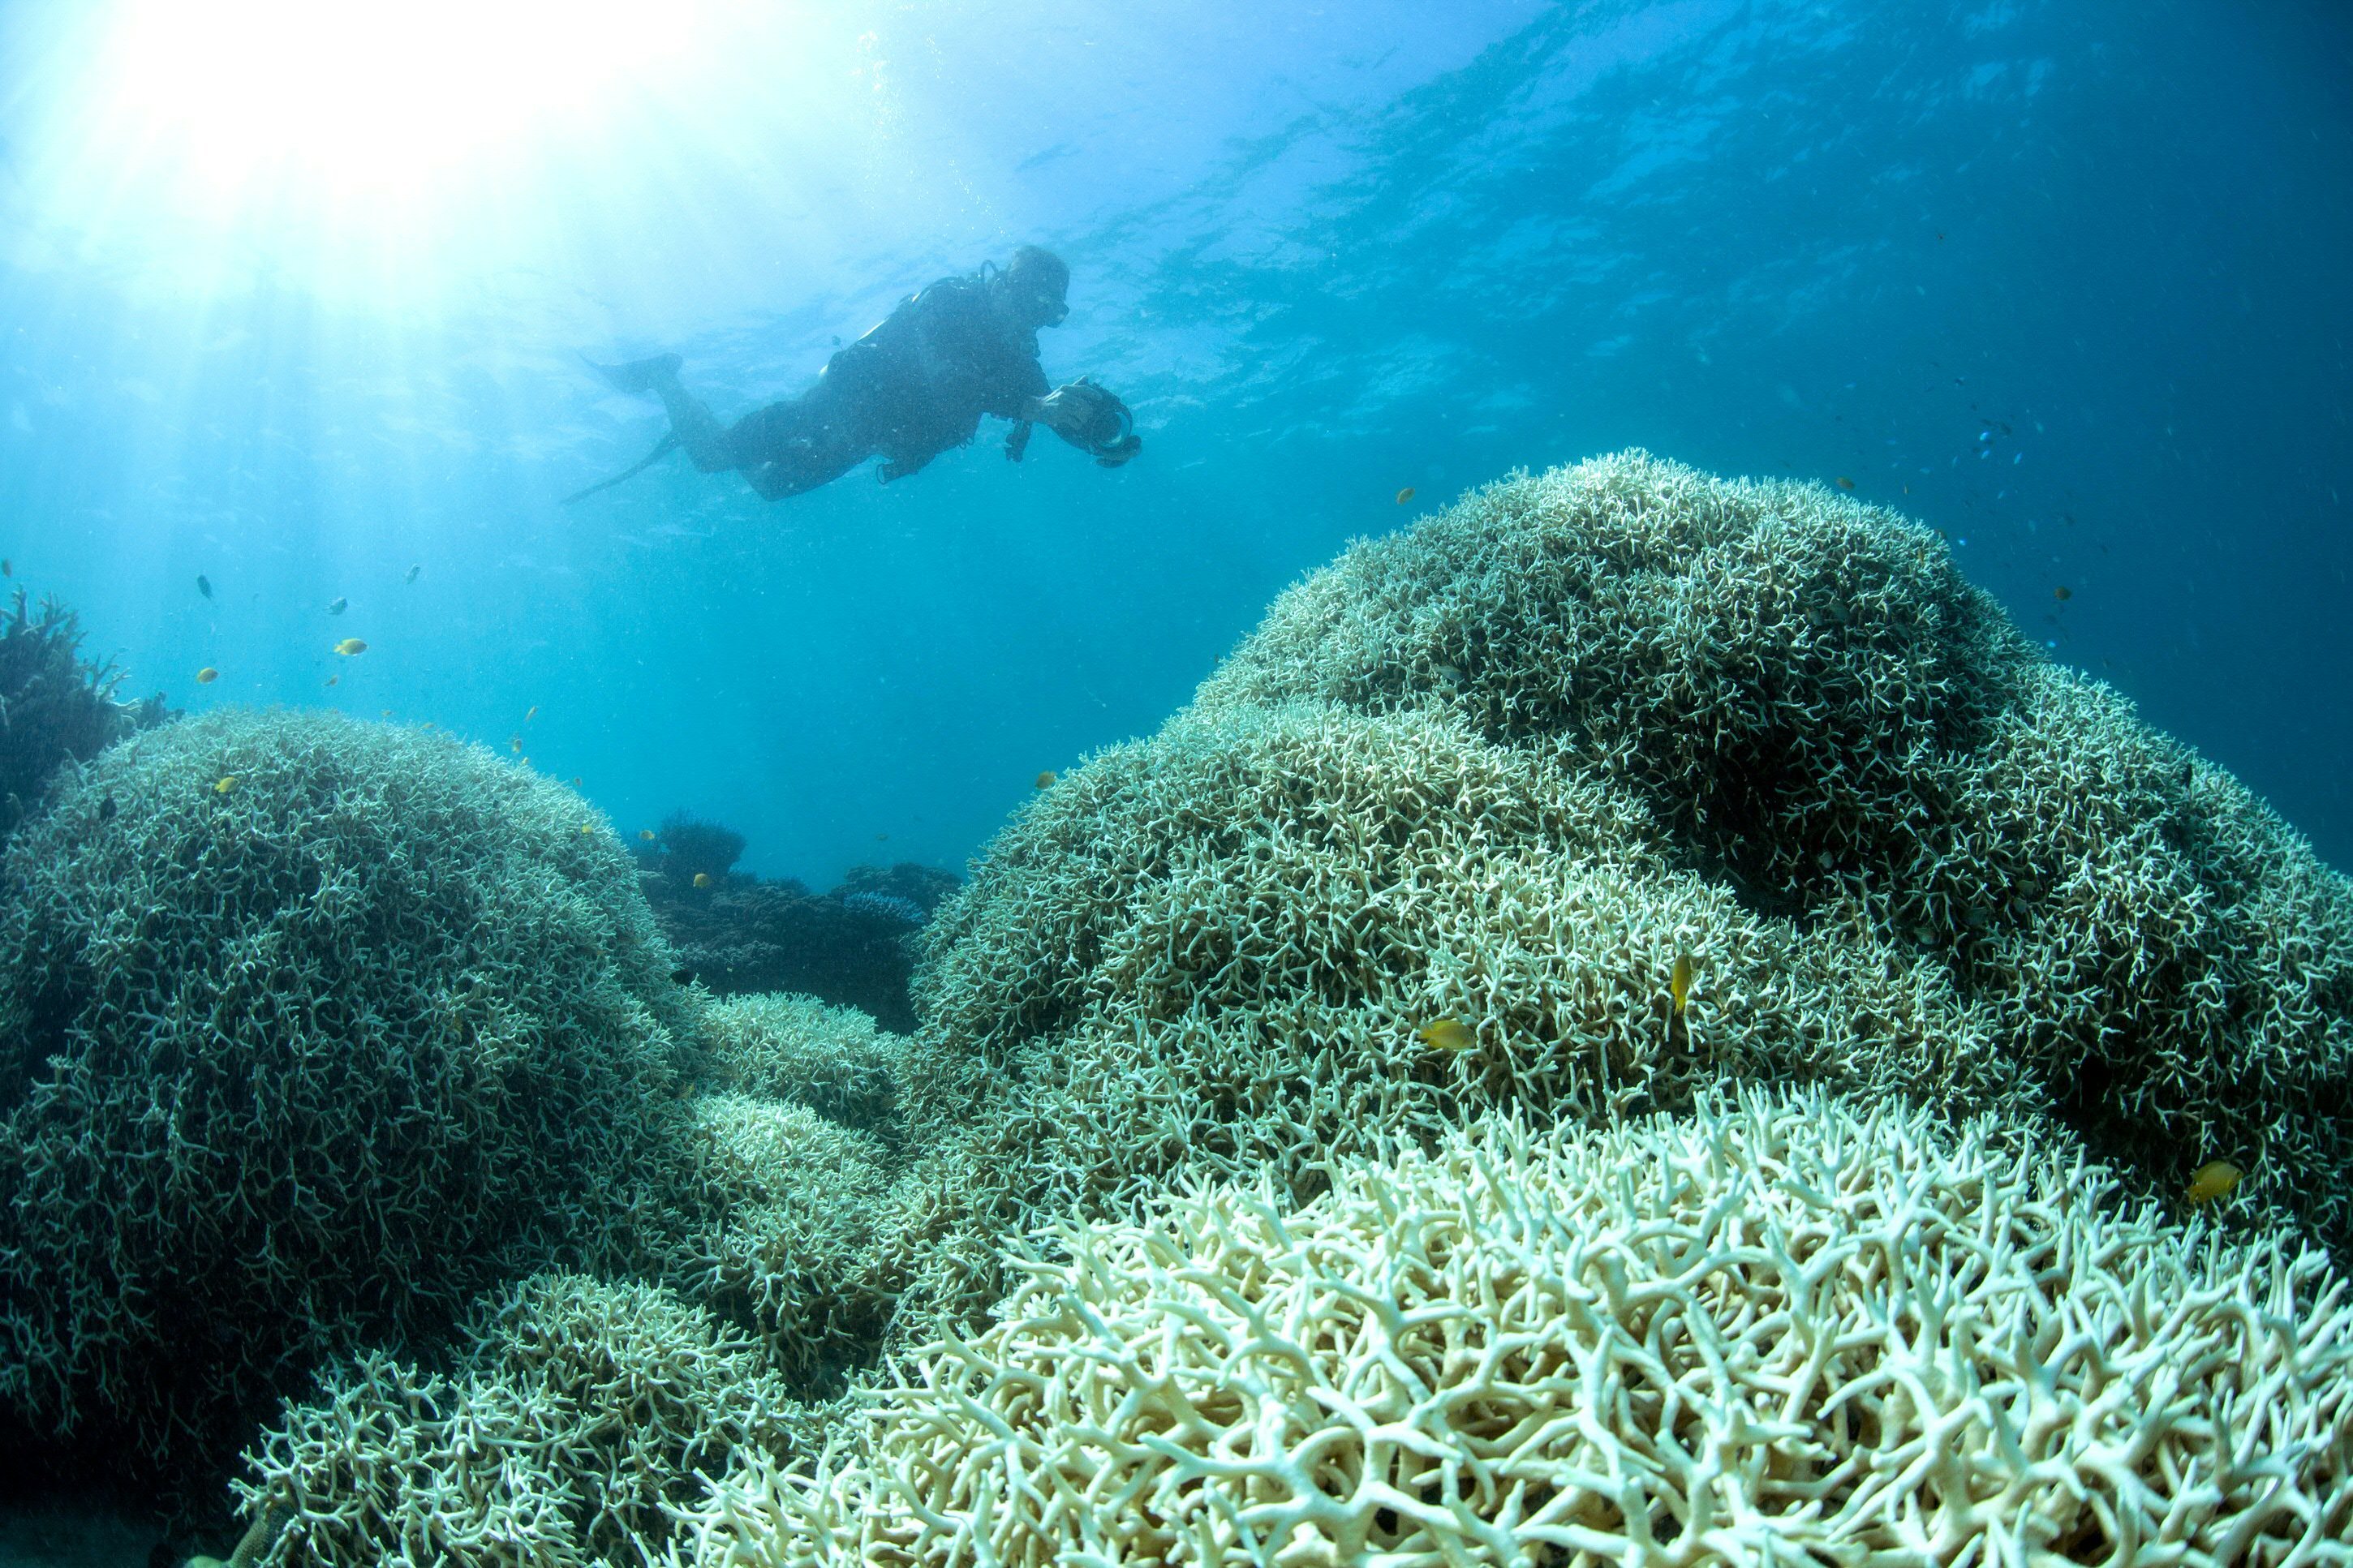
(248, 98)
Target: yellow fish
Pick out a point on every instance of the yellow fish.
(1844, 483)
(2211, 1180)
(531, 713)
(207, 676)
(1447, 1035)
(227, 783)
(646, 834)
(1679, 981)
(587, 827)
(703, 878)
(514, 743)
(1405, 495)
(349, 646)
(1045, 780)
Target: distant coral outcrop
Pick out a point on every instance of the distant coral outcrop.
(741, 935)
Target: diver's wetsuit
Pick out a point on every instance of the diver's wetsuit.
(907, 391)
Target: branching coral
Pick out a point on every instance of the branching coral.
(831, 1059)
(310, 1031)
(55, 707)
(1780, 1329)
(581, 1417)
(785, 1251)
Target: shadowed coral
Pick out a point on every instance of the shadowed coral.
(55, 707)
(1780, 1330)
(308, 1062)
(692, 848)
(581, 1416)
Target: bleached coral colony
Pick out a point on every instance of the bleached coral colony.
(1182, 1232)
(1775, 1330)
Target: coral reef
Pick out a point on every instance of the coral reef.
(311, 1031)
(746, 935)
(830, 1059)
(54, 706)
(1505, 767)
(1779, 1330)
(580, 1417)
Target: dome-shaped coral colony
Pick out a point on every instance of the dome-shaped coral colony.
(1274, 1277)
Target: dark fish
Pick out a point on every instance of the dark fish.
(1844, 483)
(106, 808)
(681, 976)
(2062, 593)
(204, 586)
(413, 570)
(339, 606)
(6, 568)
(1405, 495)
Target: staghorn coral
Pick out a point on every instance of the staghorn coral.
(831, 1059)
(55, 707)
(1779, 1330)
(1504, 765)
(307, 1062)
(579, 1419)
(784, 1252)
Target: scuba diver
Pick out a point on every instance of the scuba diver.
(906, 392)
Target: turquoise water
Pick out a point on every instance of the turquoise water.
(2064, 281)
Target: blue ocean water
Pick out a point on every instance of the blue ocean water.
(2066, 280)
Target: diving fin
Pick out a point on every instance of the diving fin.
(638, 376)
(662, 448)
